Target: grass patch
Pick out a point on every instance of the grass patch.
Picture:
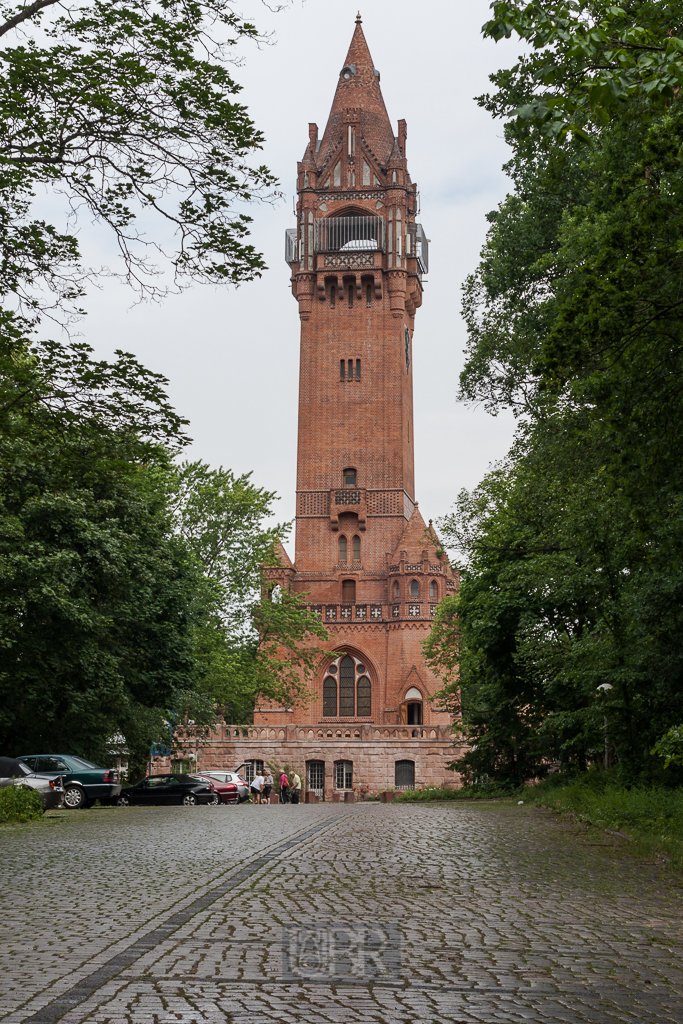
(651, 817)
(19, 803)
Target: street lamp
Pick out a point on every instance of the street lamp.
(605, 688)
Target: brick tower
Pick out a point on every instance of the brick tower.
(371, 566)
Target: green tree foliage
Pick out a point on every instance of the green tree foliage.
(129, 112)
(575, 544)
(94, 584)
(250, 643)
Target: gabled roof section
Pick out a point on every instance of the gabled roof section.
(360, 92)
(280, 554)
(414, 539)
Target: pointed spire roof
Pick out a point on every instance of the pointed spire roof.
(358, 90)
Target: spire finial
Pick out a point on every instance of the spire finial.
(359, 20)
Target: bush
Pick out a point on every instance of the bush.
(19, 803)
(490, 791)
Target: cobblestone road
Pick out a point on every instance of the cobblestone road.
(332, 913)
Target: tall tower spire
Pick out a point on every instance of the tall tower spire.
(364, 555)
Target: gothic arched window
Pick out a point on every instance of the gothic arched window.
(342, 549)
(397, 591)
(414, 589)
(330, 697)
(356, 549)
(432, 591)
(363, 698)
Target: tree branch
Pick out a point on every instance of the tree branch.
(25, 13)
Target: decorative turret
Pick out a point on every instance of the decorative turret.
(357, 205)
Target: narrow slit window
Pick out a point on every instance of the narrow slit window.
(368, 294)
(356, 549)
(397, 591)
(333, 296)
(342, 369)
(350, 296)
(432, 590)
(357, 369)
(342, 549)
(336, 174)
(330, 698)
(350, 369)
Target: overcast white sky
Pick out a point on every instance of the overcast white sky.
(231, 356)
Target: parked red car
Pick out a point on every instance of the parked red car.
(227, 791)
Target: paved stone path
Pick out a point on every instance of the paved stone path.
(332, 913)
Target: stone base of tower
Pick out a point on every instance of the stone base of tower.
(371, 752)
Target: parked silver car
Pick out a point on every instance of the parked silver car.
(49, 788)
(224, 776)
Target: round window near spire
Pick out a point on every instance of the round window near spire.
(348, 72)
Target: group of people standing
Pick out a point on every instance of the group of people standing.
(262, 786)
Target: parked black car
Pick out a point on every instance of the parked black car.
(169, 789)
(84, 782)
(48, 787)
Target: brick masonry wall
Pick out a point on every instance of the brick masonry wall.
(372, 750)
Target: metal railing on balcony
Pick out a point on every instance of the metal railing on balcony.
(350, 234)
(291, 246)
(417, 245)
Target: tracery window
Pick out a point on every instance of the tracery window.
(354, 689)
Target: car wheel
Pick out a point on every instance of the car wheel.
(123, 801)
(189, 800)
(74, 798)
(215, 800)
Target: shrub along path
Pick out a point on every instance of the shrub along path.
(385, 913)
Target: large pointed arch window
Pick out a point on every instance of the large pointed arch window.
(347, 689)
